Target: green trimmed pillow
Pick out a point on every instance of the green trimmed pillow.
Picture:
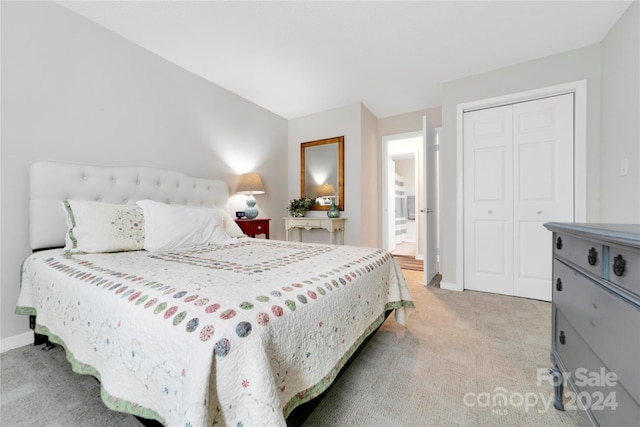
(95, 227)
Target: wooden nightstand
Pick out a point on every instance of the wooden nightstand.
(251, 227)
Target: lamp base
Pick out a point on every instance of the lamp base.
(251, 211)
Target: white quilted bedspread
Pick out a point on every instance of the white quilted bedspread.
(234, 335)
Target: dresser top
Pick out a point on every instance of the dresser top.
(624, 234)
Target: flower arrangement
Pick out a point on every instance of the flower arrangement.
(299, 207)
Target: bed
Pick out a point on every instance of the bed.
(237, 332)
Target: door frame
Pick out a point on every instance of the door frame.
(579, 89)
(386, 139)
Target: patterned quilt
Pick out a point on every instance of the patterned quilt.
(234, 335)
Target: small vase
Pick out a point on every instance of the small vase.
(298, 213)
(333, 211)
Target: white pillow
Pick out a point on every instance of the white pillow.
(230, 225)
(168, 227)
(102, 227)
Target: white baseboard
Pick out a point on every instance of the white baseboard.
(16, 341)
(450, 286)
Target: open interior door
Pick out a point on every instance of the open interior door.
(428, 215)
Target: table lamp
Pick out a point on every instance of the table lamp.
(250, 184)
(327, 191)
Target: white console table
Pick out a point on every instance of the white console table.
(330, 224)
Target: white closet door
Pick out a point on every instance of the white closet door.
(543, 187)
(488, 200)
(518, 174)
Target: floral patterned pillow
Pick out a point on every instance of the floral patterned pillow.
(95, 227)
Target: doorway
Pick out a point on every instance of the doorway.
(410, 198)
(403, 192)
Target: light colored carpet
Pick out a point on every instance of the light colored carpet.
(38, 388)
(456, 344)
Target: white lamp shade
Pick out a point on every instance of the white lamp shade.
(326, 190)
(250, 183)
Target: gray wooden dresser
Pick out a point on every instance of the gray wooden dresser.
(596, 321)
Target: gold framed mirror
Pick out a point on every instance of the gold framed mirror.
(322, 172)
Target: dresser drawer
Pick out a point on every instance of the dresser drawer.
(313, 223)
(583, 365)
(251, 227)
(257, 228)
(585, 254)
(629, 276)
(610, 325)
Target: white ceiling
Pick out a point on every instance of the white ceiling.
(302, 57)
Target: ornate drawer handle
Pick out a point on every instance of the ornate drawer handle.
(559, 285)
(559, 243)
(619, 264)
(593, 256)
(562, 338)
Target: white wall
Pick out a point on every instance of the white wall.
(344, 121)
(370, 183)
(620, 120)
(409, 122)
(72, 91)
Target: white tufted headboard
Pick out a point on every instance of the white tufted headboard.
(53, 182)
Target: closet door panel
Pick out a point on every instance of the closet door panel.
(491, 262)
(488, 232)
(489, 164)
(543, 187)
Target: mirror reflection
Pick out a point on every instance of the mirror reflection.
(322, 172)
